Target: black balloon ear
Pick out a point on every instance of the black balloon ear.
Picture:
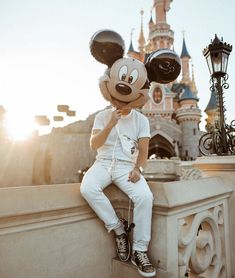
(107, 46)
(163, 66)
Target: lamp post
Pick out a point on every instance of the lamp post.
(220, 138)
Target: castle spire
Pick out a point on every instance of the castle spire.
(185, 57)
(151, 23)
(184, 52)
(141, 39)
(193, 84)
(131, 48)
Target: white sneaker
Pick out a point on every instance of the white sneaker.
(141, 260)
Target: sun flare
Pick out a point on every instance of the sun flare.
(19, 126)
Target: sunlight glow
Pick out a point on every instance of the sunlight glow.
(20, 126)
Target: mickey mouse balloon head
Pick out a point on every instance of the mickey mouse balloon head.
(127, 79)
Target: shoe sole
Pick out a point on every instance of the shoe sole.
(129, 254)
(144, 274)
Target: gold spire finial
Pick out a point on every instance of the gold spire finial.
(141, 40)
(192, 83)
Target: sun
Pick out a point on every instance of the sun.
(19, 126)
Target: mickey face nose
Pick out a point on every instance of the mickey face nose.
(123, 89)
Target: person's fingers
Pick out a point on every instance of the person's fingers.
(134, 176)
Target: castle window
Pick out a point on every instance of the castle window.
(194, 131)
(157, 95)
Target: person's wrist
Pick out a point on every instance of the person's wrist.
(139, 168)
(110, 125)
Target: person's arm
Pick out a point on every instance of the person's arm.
(98, 137)
(143, 144)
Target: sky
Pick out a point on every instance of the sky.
(45, 58)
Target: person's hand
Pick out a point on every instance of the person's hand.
(115, 116)
(134, 175)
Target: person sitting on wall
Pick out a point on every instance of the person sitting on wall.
(120, 135)
(113, 165)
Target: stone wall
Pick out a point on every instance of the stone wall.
(50, 231)
(223, 167)
(49, 159)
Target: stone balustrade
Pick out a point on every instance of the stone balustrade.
(49, 231)
(170, 170)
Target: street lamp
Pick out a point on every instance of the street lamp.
(220, 138)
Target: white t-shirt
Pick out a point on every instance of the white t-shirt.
(122, 141)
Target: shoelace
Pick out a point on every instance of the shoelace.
(142, 257)
(122, 244)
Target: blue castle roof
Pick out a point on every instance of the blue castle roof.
(212, 105)
(184, 52)
(187, 94)
(131, 48)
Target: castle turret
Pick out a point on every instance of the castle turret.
(185, 57)
(188, 116)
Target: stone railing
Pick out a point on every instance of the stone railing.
(50, 231)
(170, 170)
(192, 228)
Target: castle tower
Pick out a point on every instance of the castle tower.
(160, 34)
(188, 116)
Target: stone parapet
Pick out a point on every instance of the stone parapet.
(224, 168)
(170, 170)
(54, 228)
(191, 228)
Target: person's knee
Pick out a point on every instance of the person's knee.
(89, 189)
(145, 197)
(85, 190)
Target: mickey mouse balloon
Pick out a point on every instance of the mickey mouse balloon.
(127, 79)
(163, 66)
(107, 47)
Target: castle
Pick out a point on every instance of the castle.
(173, 108)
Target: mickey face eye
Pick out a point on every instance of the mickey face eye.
(122, 73)
(133, 76)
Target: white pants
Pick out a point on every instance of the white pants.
(103, 173)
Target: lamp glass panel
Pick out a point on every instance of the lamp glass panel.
(224, 62)
(216, 60)
(209, 63)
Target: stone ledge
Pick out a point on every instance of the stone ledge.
(173, 194)
(215, 163)
(15, 201)
(128, 270)
(63, 203)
